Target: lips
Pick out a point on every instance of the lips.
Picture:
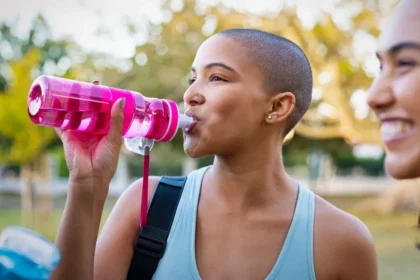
(396, 129)
(191, 115)
(190, 128)
(194, 123)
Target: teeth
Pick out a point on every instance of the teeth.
(393, 129)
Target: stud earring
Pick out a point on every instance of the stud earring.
(269, 117)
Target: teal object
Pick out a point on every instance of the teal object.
(26, 255)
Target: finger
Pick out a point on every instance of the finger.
(116, 123)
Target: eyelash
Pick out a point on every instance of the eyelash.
(406, 63)
(192, 80)
(401, 63)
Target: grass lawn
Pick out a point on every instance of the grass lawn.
(394, 237)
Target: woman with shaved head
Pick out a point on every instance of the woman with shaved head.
(243, 217)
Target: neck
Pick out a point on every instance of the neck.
(256, 178)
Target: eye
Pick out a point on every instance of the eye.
(406, 63)
(191, 81)
(216, 78)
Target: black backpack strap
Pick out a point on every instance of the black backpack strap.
(151, 241)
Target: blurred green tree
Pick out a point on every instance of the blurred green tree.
(24, 140)
(22, 143)
(21, 61)
(161, 66)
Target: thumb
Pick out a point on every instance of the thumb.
(116, 122)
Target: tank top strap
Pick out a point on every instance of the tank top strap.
(188, 203)
(296, 258)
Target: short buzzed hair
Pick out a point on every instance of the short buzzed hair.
(283, 64)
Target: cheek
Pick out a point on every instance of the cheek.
(234, 111)
(237, 120)
(226, 108)
(407, 90)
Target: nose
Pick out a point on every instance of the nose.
(193, 96)
(381, 94)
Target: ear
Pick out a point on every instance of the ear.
(281, 107)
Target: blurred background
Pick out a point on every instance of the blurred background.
(148, 46)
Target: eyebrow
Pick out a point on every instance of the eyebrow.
(401, 46)
(216, 64)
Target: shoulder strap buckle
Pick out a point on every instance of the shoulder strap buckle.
(151, 241)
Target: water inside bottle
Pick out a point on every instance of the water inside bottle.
(70, 111)
(85, 107)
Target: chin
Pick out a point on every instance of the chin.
(193, 155)
(403, 167)
(194, 151)
(201, 148)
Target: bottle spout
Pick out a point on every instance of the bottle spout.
(184, 121)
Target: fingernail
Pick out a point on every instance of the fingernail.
(96, 82)
(122, 103)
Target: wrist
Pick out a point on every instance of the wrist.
(91, 189)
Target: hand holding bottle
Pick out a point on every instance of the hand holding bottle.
(91, 158)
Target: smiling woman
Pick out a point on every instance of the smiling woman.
(394, 95)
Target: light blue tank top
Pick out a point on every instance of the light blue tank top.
(295, 261)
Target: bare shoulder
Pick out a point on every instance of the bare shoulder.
(114, 248)
(128, 204)
(133, 192)
(344, 226)
(346, 240)
(129, 201)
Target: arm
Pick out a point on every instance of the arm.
(77, 237)
(92, 161)
(114, 249)
(77, 234)
(343, 245)
(358, 259)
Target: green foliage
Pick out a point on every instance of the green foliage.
(24, 140)
(50, 52)
(161, 69)
(171, 47)
(296, 153)
(372, 167)
(21, 141)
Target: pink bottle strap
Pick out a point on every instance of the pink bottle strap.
(145, 188)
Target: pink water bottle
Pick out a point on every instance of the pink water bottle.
(81, 106)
